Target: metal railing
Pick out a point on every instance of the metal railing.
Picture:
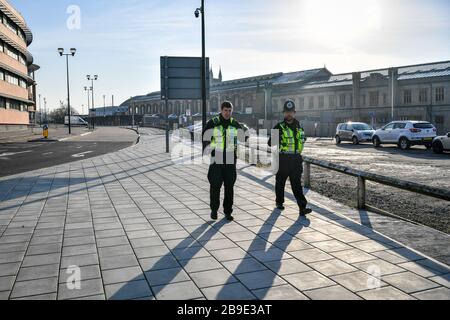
(362, 178)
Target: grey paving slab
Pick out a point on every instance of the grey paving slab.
(332, 267)
(200, 264)
(311, 255)
(127, 291)
(232, 291)
(34, 287)
(287, 266)
(308, 280)
(166, 276)
(178, 291)
(243, 265)
(6, 283)
(434, 294)
(9, 269)
(160, 263)
(38, 272)
(122, 275)
(88, 288)
(260, 279)
(358, 281)
(332, 293)
(409, 282)
(209, 278)
(385, 293)
(86, 273)
(282, 292)
(79, 260)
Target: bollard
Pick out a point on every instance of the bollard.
(307, 175)
(361, 193)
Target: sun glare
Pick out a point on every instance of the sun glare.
(340, 22)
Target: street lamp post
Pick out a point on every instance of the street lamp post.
(88, 96)
(40, 109)
(92, 79)
(197, 14)
(72, 53)
(45, 110)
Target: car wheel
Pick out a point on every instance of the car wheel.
(376, 142)
(338, 140)
(438, 148)
(355, 140)
(404, 144)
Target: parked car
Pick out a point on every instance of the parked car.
(405, 134)
(355, 132)
(441, 143)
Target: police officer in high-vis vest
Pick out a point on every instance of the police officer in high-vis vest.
(222, 133)
(290, 147)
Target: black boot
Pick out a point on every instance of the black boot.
(280, 207)
(305, 211)
(229, 217)
(214, 215)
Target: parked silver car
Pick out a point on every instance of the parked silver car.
(355, 132)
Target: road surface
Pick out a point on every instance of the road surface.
(25, 156)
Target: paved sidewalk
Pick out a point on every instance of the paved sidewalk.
(137, 225)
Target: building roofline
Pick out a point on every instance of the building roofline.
(397, 67)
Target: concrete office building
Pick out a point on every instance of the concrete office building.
(324, 99)
(17, 80)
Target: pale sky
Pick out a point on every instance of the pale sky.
(122, 40)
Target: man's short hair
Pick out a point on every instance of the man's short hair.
(227, 105)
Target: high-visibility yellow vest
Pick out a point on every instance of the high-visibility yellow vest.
(220, 134)
(288, 138)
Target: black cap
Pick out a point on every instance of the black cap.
(289, 106)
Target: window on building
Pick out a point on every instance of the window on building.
(321, 101)
(342, 100)
(440, 94)
(385, 99)
(22, 83)
(423, 95)
(311, 102)
(407, 96)
(332, 101)
(351, 100)
(301, 102)
(2, 75)
(2, 103)
(374, 98)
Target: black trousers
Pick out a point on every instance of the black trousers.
(290, 166)
(218, 175)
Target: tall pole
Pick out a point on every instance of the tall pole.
(68, 94)
(203, 68)
(40, 109)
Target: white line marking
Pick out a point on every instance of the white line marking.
(13, 153)
(85, 134)
(81, 155)
(47, 153)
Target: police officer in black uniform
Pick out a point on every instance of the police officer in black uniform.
(221, 135)
(290, 147)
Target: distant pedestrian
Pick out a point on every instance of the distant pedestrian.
(290, 147)
(222, 134)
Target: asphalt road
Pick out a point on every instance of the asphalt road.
(26, 156)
